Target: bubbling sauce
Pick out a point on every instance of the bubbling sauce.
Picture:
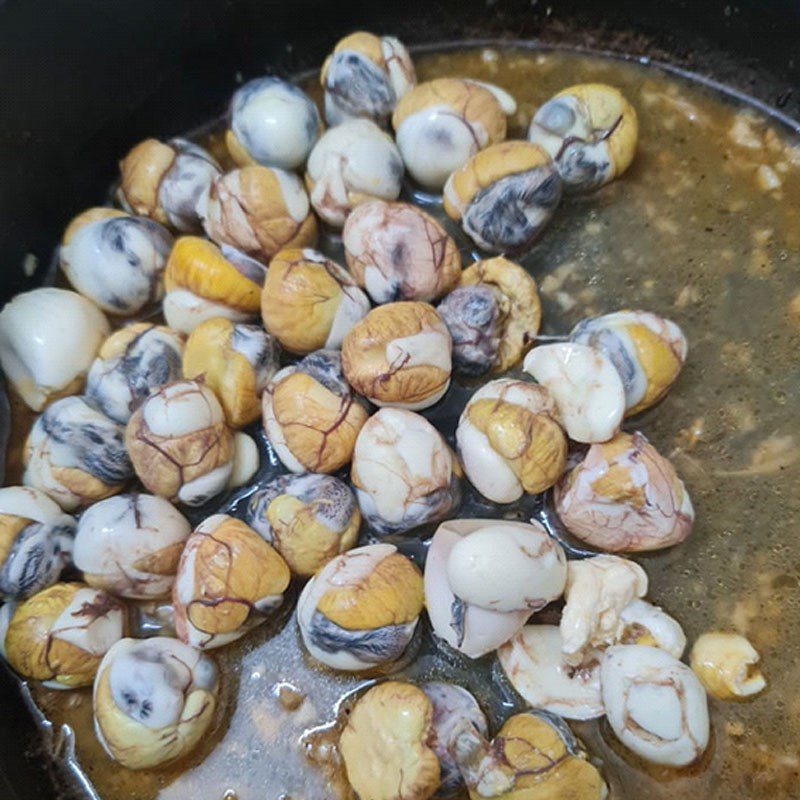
(705, 229)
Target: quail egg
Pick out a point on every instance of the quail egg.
(310, 414)
(309, 302)
(361, 609)
(229, 580)
(130, 545)
(307, 518)
(116, 260)
(398, 252)
(46, 361)
(132, 362)
(163, 181)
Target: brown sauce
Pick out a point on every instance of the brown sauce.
(704, 229)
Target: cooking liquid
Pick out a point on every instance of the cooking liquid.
(704, 228)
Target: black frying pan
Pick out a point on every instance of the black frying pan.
(81, 82)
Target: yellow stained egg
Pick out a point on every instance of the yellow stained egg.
(399, 355)
(203, 281)
(590, 130)
(236, 361)
(258, 210)
(229, 579)
(504, 196)
(60, 635)
(727, 665)
(385, 744)
(309, 302)
(648, 351)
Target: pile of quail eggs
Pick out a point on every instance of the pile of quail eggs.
(200, 306)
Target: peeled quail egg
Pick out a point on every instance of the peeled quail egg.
(533, 755)
(454, 711)
(131, 363)
(350, 164)
(361, 609)
(399, 355)
(47, 361)
(258, 210)
(182, 448)
(644, 623)
(585, 386)
(590, 131)
(310, 415)
(507, 566)
(229, 580)
(76, 454)
(154, 700)
(655, 704)
(236, 361)
(439, 124)
(493, 316)
(403, 472)
(164, 181)
(205, 281)
(309, 302)
(115, 260)
(597, 592)
(59, 635)
(398, 252)
(273, 122)
(727, 666)
(385, 745)
(510, 440)
(130, 545)
(308, 518)
(364, 77)
(484, 578)
(625, 497)
(534, 663)
(35, 541)
(504, 196)
(647, 350)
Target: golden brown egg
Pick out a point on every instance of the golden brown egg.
(236, 361)
(510, 440)
(364, 77)
(60, 635)
(361, 609)
(132, 362)
(308, 518)
(625, 497)
(648, 351)
(229, 580)
(439, 124)
(204, 281)
(530, 758)
(399, 355)
(182, 448)
(163, 181)
(310, 414)
(727, 665)
(76, 454)
(258, 210)
(385, 744)
(309, 302)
